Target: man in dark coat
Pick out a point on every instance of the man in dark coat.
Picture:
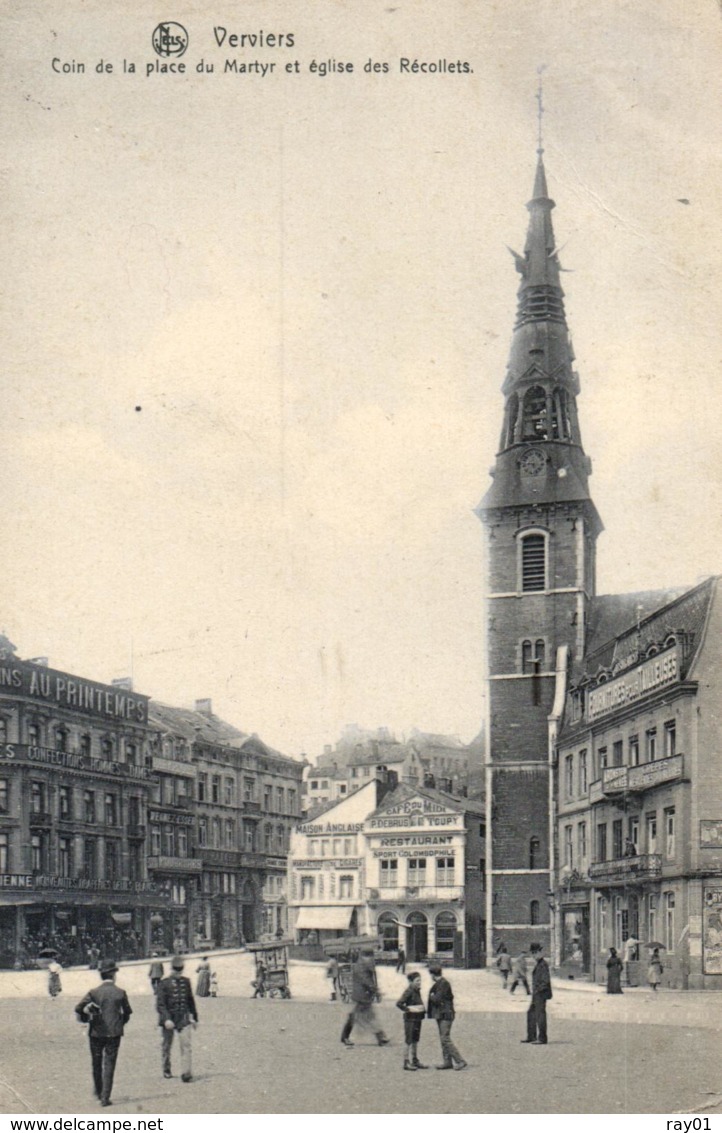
(441, 1008)
(176, 1012)
(363, 993)
(541, 990)
(106, 1009)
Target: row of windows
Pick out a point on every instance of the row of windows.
(215, 789)
(624, 842)
(90, 806)
(445, 926)
(217, 835)
(332, 847)
(417, 872)
(576, 776)
(59, 739)
(657, 916)
(312, 886)
(71, 863)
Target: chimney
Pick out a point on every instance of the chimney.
(123, 682)
(205, 706)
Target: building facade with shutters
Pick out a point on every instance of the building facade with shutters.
(75, 786)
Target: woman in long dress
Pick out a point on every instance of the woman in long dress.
(203, 984)
(54, 971)
(614, 973)
(654, 971)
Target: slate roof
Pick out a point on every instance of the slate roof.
(203, 727)
(406, 791)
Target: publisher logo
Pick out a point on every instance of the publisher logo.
(170, 39)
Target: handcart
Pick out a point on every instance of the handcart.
(271, 970)
(345, 951)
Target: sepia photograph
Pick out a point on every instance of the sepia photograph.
(361, 654)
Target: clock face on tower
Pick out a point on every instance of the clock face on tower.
(532, 462)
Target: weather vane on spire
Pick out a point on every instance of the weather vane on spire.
(539, 97)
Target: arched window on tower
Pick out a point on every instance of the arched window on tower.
(534, 853)
(533, 562)
(512, 414)
(533, 656)
(535, 426)
(561, 422)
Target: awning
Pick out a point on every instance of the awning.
(325, 916)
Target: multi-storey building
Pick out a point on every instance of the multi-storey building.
(401, 862)
(75, 784)
(542, 528)
(639, 829)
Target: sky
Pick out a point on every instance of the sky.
(255, 329)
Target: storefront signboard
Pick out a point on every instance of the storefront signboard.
(62, 690)
(35, 881)
(657, 672)
(72, 761)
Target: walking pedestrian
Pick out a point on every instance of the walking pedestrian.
(106, 1009)
(503, 963)
(441, 1008)
(541, 991)
(177, 1012)
(203, 983)
(614, 973)
(363, 993)
(655, 970)
(519, 973)
(412, 1006)
(332, 975)
(155, 972)
(54, 985)
(401, 961)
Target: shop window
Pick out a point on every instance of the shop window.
(533, 562)
(535, 853)
(387, 928)
(534, 912)
(670, 738)
(445, 932)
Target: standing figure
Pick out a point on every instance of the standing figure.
(630, 954)
(93, 958)
(503, 963)
(54, 985)
(363, 993)
(412, 1006)
(614, 973)
(541, 990)
(519, 973)
(401, 961)
(654, 971)
(155, 972)
(203, 983)
(332, 975)
(106, 1009)
(260, 981)
(214, 985)
(176, 1012)
(441, 1008)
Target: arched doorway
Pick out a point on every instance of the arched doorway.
(417, 938)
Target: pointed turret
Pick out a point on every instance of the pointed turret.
(541, 385)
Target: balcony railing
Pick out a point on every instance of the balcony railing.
(409, 893)
(619, 871)
(251, 806)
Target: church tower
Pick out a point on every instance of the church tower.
(542, 528)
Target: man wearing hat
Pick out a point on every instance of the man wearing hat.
(177, 1012)
(541, 990)
(106, 1009)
